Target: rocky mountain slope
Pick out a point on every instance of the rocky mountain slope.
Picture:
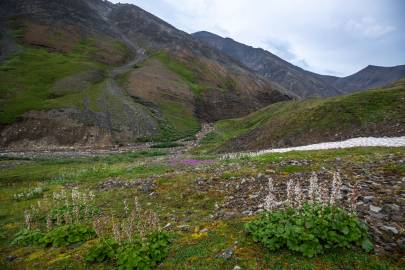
(59, 86)
(376, 113)
(370, 77)
(297, 80)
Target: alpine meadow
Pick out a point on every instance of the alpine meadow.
(262, 135)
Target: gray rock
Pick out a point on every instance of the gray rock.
(379, 216)
(184, 228)
(401, 244)
(375, 209)
(200, 181)
(227, 254)
(389, 229)
(368, 198)
(10, 258)
(247, 213)
(345, 188)
(146, 188)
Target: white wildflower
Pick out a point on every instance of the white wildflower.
(313, 190)
(298, 195)
(126, 208)
(323, 196)
(92, 196)
(336, 189)
(290, 193)
(49, 223)
(28, 219)
(270, 202)
(353, 196)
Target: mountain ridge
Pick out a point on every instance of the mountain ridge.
(302, 82)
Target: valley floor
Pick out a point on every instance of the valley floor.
(204, 201)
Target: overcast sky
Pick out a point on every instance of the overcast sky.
(336, 37)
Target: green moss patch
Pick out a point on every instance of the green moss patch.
(187, 74)
(27, 79)
(179, 122)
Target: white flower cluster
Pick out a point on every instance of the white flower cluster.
(33, 193)
(136, 222)
(78, 205)
(74, 197)
(319, 194)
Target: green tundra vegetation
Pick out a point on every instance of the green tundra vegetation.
(188, 75)
(27, 79)
(312, 118)
(166, 208)
(191, 238)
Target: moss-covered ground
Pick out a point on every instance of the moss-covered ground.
(186, 208)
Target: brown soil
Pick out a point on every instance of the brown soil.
(155, 83)
(38, 129)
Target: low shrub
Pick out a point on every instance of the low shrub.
(67, 235)
(105, 250)
(310, 230)
(138, 253)
(27, 237)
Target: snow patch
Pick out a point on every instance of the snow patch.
(355, 142)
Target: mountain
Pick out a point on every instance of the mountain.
(370, 77)
(93, 73)
(297, 80)
(377, 113)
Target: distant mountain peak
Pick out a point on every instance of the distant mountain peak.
(297, 80)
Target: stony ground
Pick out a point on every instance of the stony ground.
(205, 201)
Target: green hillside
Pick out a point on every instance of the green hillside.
(378, 112)
(38, 79)
(28, 78)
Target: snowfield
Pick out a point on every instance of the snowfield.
(355, 142)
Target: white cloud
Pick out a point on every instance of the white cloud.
(324, 36)
(368, 27)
